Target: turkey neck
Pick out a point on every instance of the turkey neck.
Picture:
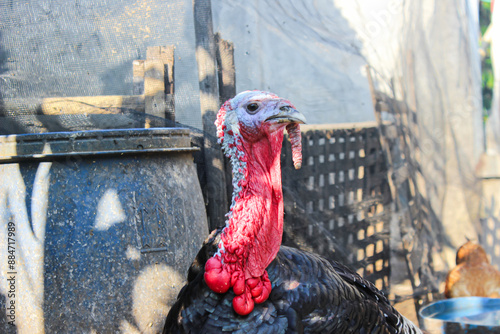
(253, 232)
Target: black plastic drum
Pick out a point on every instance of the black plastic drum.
(98, 229)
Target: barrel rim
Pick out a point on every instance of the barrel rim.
(56, 145)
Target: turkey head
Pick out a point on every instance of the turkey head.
(250, 129)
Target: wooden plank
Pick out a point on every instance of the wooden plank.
(165, 54)
(168, 59)
(138, 77)
(154, 87)
(215, 190)
(114, 104)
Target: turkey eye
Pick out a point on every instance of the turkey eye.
(252, 108)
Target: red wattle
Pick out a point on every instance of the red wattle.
(254, 228)
(243, 304)
(266, 289)
(238, 282)
(216, 276)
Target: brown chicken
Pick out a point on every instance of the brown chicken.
(473, 275)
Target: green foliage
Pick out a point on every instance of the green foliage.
(486, 65)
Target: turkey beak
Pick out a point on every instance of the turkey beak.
(287, 114)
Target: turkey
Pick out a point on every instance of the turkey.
(241, 280)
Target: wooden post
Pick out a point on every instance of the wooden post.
(215, 190)
(225, 62)
(378, 117)
(166, 55)
(227, 89)
(138, 77)
(154, 87)
(158, 81)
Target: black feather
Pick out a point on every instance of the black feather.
(310, 295)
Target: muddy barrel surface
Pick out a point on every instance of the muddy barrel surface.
(98, 229)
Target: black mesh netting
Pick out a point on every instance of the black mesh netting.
(86, 48)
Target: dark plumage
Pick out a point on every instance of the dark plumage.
(309, 295)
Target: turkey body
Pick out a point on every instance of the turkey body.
(242, 281)
(309, 295)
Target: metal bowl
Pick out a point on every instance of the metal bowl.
(479, 313)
